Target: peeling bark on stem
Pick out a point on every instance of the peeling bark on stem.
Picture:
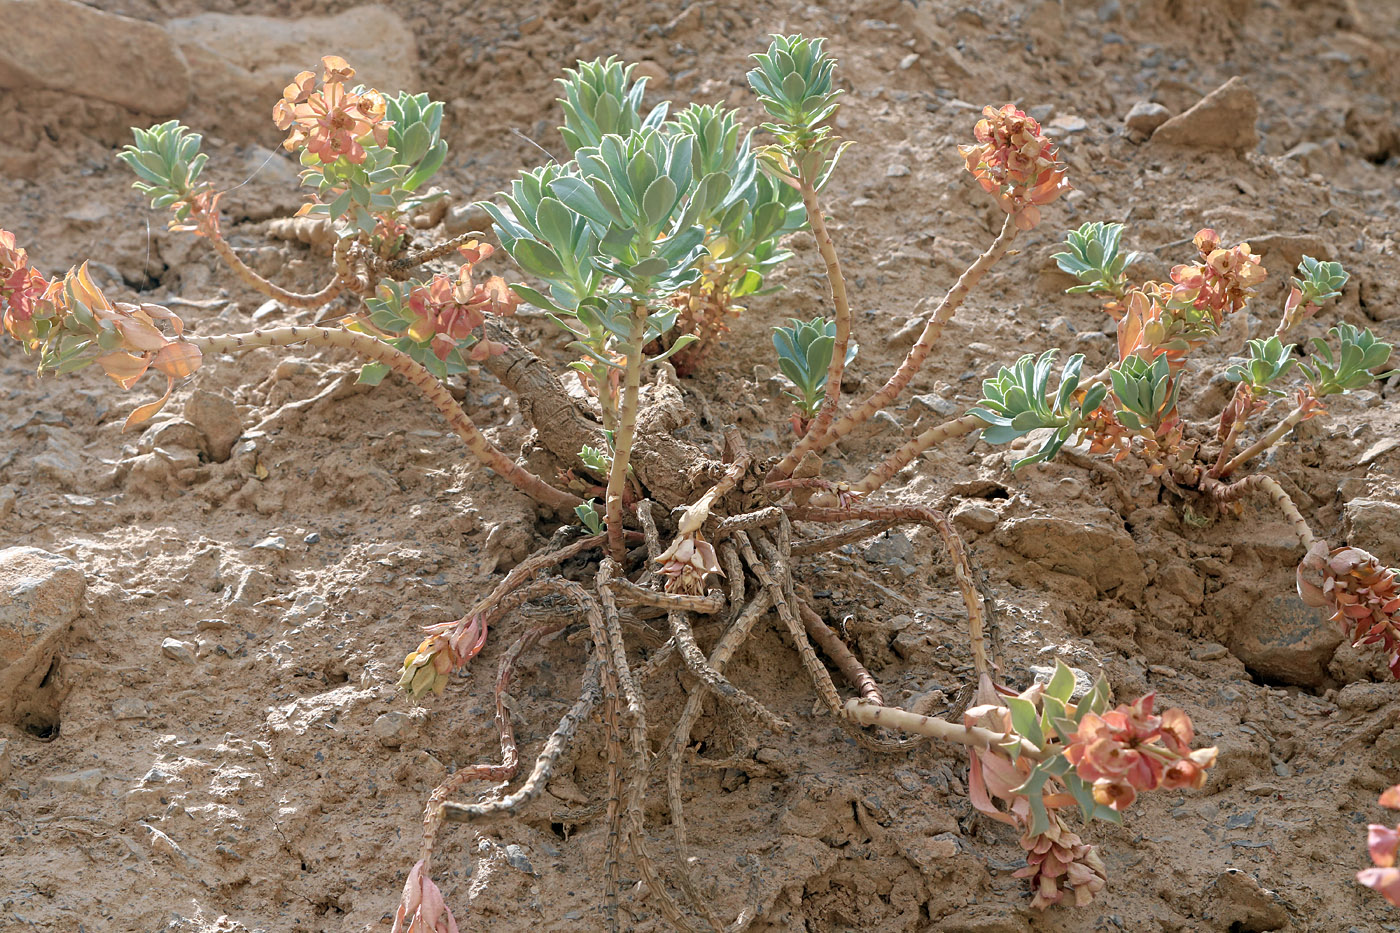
(375, 350)
(626, 430)
(912, 362)
(257, 282)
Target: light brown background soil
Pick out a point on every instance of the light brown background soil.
(254, 794)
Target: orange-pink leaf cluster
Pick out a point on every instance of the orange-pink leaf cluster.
(1059, 864)
(1382, 842)
(21, 288)
(1361, 592)
(1129, 749)
(332, 122)
(1223, 281)
(1015, 163)
(447, 311)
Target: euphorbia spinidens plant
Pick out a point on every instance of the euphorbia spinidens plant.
(616, 243)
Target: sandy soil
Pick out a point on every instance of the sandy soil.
(268, 777)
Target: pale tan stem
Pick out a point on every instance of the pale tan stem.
(842, 309)
(1270, 487)
(891, 717)
(413, 372)
(626, 430)
(912, 362)
(396, 267)
(1275, 435)
(905, 455)
(257, 282)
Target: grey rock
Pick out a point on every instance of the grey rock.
(272, 543)
(940, 406)
(1223, 119)
(66, 46)
(1282, 639)
(1066, 125)
(890, 549)
(394, 728)
(516, 858)
(217, 419)
(78, 782)
(1144, 118)
(1324, 158)
(173, 434)
(1210, 651)
(177, 650)
(897, 170)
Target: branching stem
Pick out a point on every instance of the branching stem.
(1276, 434)
(626, 429)
(905, 455)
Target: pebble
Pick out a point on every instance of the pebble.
(312, 538)
(516, 858)
(77, 782)
(943, 407)
(1067, 124)
(1083, 683)
(1210, 651)
(394, 729)
(216, 418)
(130, 708)
(1144, 118)
(272, 543)
(1243, 820)
(177, 650)
(908, 61)
(976, 517)
(897, 170)
(464, 218)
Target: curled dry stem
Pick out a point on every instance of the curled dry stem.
(1260, 482)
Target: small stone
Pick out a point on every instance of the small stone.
(216, 418)
(908, 61)
(1243, 820)
(907, 332)
(1263, 790)
(516, 858)
(267, 310)
(1223, 119)
(1364, 697)
(976, 517)
(1066, 124)
(312, 538)
(130, 708)
(394, 729)
(937, 404)
(272, 543)
(177, 650)
(897, 170)
(1324, 158)
(78, 782)
(465, 218)
(1210, 651)
(768, 755)
(1144, 117)
(1040, 112)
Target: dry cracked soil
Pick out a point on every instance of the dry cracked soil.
(201, 729)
